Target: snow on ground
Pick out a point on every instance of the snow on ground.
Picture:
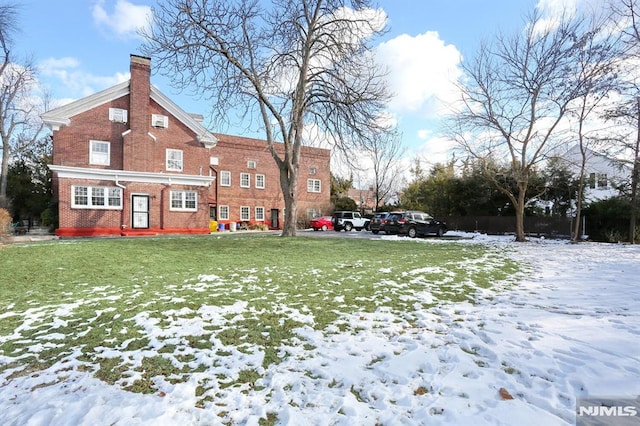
(570, 329)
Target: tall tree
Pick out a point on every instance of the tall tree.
(518, 92)
(298, 67)
(384, 150)
(627, 16)
(596, 69)
(19, 121)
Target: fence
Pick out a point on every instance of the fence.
(556, 227)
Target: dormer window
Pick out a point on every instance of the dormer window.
(159, 120)
(118, 115)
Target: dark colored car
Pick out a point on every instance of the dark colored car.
(377, 222)
(414, 224)
(323, 222)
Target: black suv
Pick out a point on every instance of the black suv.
(414, 224)
(348, 221)
(377, 222)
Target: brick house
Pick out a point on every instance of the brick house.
(129, 161)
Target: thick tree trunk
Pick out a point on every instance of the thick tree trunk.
(4, 174)
(635, 176)
(519, 208)
(289, 185)
(575, 235)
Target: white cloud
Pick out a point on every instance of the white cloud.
(422, 72)
(66, 76)
(125, 19)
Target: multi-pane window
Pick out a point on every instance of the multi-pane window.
(99, 197)
(245, 180)
(602, 180)
(225, 178)
(314, 185)
(260, 181)
(259, 213)
(245, 213)
(174, 160)
(223, 212)
(184, 200)
(99, 153)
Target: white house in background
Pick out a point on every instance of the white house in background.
(603, 175)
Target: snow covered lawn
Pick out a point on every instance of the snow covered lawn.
(417, 352)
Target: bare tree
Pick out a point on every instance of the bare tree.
(596, 70)
(300, 67)
(19, 121)
(627, 15)
(517, 94)
(384, 150)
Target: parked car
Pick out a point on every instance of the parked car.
(321, 223)
(414, 224)
(349, 220)
(378, 221)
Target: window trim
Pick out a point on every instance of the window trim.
(244, 209)
(92, 160)
(168, 158)
(311, 185)
(183, 200)
(245, 180)
(226, 173)
(220, 210)
(157, 117)
(114, 111)
(106, 197)
(259, 217)
(264, 180)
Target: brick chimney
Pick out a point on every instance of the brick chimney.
(138, 147)
(140, 92)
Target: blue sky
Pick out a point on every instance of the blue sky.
(83, 46)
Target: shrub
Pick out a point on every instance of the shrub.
(5, 224)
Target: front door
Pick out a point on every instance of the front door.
(274, 219)
(140, 211)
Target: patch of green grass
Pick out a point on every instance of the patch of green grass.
(193, 302)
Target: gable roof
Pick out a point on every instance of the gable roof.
(61, 116)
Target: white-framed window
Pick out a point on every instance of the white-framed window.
(245, 213)
(174, 160)
(96, 197)
(245, 180)
(313, 213)
(184, 201)
(252, 164)
(260, 213)
(159, 120)
(118, 115)
(99, 153)
(225, 178)
(260, 179)
(314, 185)
(223, 212)
(313, 170)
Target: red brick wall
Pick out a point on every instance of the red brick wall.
(143, 148)
(233, 153)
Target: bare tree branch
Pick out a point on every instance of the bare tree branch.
(289, 65)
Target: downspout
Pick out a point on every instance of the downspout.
(123, 225)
